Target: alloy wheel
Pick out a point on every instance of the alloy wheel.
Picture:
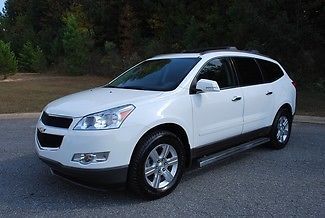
(161, 166)
(283, 129)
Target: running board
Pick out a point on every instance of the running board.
(231, 151)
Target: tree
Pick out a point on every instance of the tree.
(2, 26)
(104, 19)
(127, 30)
(8, 62)
(31, 58)
(111, 58)
(17, 24)
(75, 44)
(288, 30)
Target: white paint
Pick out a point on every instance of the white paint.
(205, 117)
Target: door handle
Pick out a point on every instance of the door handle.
(236, 98)
(269, 93)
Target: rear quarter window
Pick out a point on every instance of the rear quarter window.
(271, 71)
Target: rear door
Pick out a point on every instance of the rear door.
(258, 96)
(271, 73)
(217, 115)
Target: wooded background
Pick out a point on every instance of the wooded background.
(105, 37)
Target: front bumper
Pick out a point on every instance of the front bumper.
(90, 177)
(120, 144)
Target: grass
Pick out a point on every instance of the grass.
(31, 92)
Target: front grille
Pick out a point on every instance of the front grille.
(61, 122)
(49, 140)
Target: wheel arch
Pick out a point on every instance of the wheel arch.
(177, 130)
(287, 107)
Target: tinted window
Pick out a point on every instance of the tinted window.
(247, 71)
(271, 71)
(218, 70)
(157, 75)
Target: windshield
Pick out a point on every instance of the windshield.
(156, 75)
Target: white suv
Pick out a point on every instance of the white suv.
(165, 114)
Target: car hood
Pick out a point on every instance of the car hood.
(98, 99)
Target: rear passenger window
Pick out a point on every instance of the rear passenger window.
(218, 70)
(248, 71)
(271, 71)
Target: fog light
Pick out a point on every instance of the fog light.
(87, 158)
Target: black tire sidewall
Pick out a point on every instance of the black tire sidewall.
(274, 141)
(163, 137)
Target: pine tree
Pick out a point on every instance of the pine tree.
(8, 62)
(76, 37)
(31, 58)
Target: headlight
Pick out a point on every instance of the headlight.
(108, 119)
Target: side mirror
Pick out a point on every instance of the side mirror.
(205, 85)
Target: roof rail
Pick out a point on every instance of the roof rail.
(210, 49)
(254, 51)
(202, 51)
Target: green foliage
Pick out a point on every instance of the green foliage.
(8, 62)
(2, 26)
(127, 30)
(289, 31)
(75, 39)
(192, 34)
(151, 47)
(111, 59)
(31, 58)
(110, 46)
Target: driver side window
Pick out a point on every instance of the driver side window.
(218, 70)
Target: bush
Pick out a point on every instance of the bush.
(8, 61)
(31, 58)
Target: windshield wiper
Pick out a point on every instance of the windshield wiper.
(110, 86)
(130, 87)
(133, 87)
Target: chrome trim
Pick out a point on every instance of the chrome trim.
(57, 115)
(236, 98)
(231, 151)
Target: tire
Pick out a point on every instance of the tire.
(164, 172)
(281, 129)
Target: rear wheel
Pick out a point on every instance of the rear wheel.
(157, 165)
(281, 129)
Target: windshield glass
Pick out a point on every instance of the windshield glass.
(156, 75)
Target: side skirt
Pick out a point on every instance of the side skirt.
(219, 146)
(231, 151)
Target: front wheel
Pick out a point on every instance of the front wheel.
(157, 165)
(281, 130)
